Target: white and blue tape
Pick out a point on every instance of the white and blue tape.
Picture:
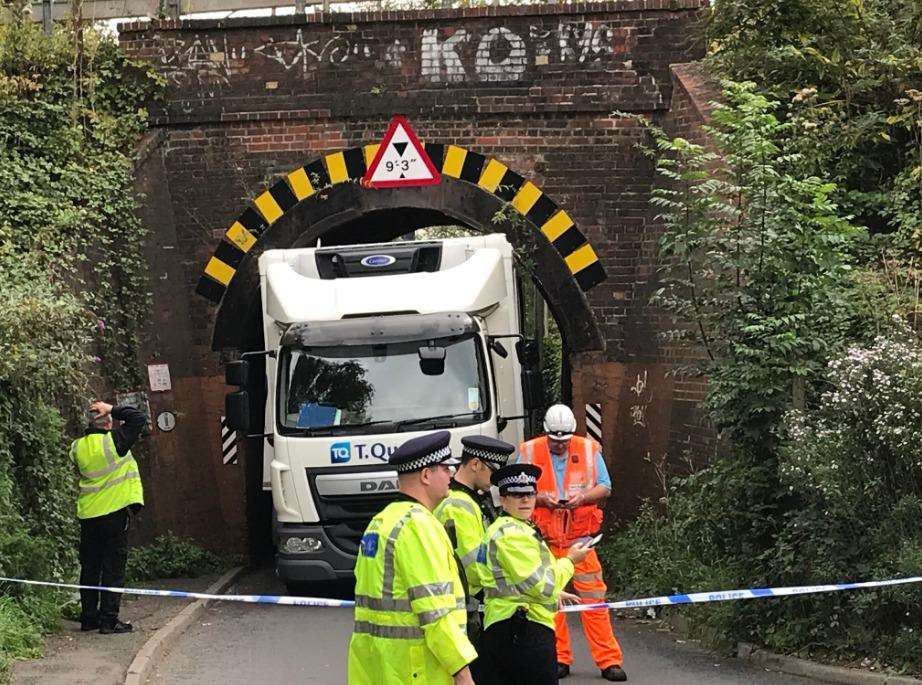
(691, 598)
(181, 594)
(730, 595)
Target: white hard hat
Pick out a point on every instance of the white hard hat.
(559, 422)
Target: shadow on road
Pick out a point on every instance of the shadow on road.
(261, 579)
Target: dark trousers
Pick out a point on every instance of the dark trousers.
(518, 652)
(475, 635)
(103, 556)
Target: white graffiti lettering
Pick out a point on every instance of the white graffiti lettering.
(447, 56)
(508, 68)
(436, 55)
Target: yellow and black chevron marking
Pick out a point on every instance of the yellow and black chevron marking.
(350, 165)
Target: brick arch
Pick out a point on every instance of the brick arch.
(317, 198)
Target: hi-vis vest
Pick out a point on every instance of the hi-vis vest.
(561, 527)
(522, 573)
(108, 482)
(410, 622)
(460, 512)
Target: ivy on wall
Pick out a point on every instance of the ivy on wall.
(72, 282)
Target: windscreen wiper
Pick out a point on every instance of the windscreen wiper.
(333, 429)
(425, 419)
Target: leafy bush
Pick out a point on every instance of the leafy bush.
(551, 363)
(757, 269)
(851, 74)
(170, 556)
(766, 274)
(845, 507)
(72, 282)
(19, 636)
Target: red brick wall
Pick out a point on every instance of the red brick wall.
(538, 87)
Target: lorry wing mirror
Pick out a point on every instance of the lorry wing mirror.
(237, 373)
(237, 410)
(498, 348)
(532, 389)
(528, 351)
(432, 360)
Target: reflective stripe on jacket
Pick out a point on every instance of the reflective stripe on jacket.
(522, 573)
(108, 482)
(563, 526)
(410, 622)
(467, 517)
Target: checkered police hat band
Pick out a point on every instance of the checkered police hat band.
(495, 457)
(430, 459)
(519, 480)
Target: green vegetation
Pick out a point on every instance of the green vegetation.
(170, 556)
(791, 253)
(71, 280)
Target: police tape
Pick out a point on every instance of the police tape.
(182, 594)
(690, 598)
(731, 595)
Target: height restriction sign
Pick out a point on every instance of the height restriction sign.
(400, 160)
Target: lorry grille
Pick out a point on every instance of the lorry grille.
(344, 517)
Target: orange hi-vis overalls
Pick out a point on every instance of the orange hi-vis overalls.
(561, 528)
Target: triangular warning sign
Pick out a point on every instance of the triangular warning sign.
(401, 160)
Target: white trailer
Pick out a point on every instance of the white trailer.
(366, 347)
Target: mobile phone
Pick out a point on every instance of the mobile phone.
(594, 541)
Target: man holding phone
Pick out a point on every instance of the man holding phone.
(574, 483)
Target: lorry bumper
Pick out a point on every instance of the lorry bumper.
(327, 563)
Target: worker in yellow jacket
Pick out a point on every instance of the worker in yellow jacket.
(410, 616)
(110, 492)
(523, 589)
(465, 521)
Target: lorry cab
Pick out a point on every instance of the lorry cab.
(366, 347)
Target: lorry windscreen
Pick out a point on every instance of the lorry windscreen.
(363, 389)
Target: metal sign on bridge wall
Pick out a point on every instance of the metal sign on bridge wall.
(401, 160)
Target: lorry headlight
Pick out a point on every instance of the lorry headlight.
(302, 545)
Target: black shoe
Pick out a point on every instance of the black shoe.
(614, 674)
(563, 670)
(92, 624)
(117, 627)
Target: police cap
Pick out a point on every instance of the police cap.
(491, 451)
(516, 479)
(426, 450)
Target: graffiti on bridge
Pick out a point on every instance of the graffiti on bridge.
(439, 55)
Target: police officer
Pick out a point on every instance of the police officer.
(110, 489)
(465, 521)
(409, 601)
(572, 490)
(522, 588)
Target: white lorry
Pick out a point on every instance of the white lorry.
(366, 347)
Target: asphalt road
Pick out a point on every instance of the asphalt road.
(242, 644)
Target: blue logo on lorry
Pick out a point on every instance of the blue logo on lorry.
(340, 453)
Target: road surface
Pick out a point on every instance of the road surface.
(239, 644)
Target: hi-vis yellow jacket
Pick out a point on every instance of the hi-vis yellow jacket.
(522, 573)
(108, 482)
(410, 623)
(460, 511)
